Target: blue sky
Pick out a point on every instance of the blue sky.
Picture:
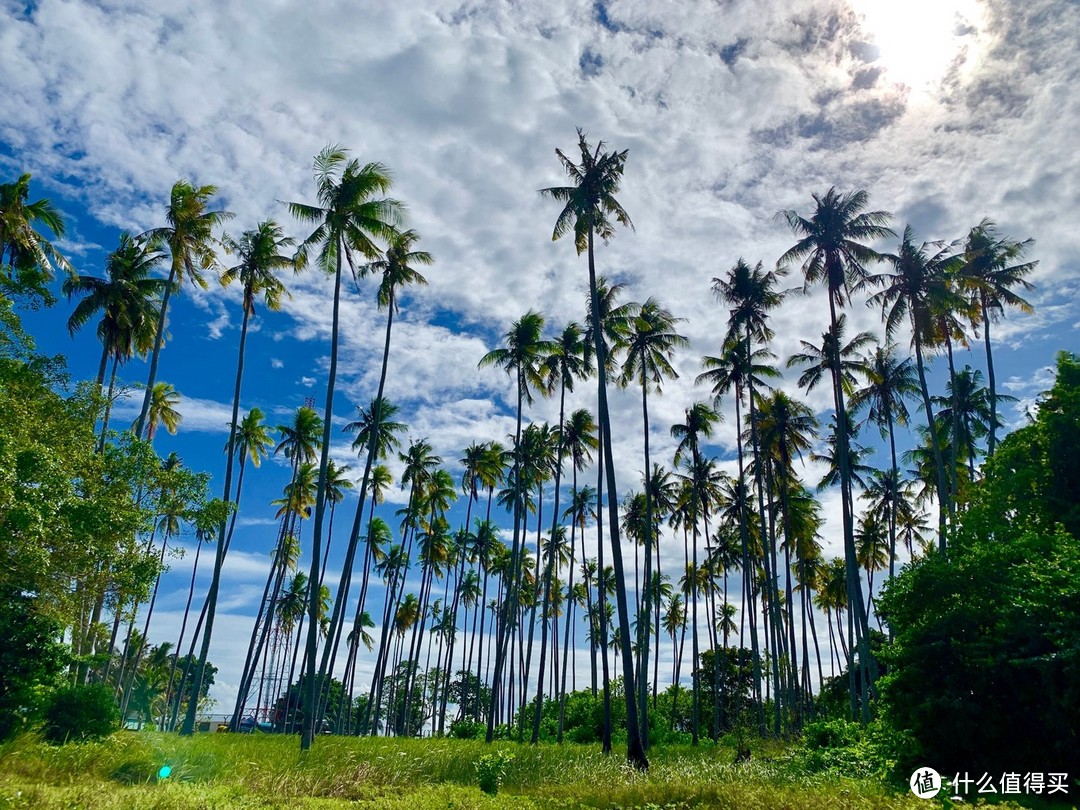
(952, 111)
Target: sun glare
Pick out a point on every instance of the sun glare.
(918, 40)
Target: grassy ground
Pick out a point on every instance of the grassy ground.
(255, 771)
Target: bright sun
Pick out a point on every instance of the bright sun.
(918, 40)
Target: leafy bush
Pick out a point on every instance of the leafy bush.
(81, 713)
(30, 658)
(491, 768)
(467, 730)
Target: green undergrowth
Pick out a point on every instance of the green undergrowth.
(226, 771)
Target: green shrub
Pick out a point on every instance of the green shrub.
(81, 713)
(467, 730)
(491, 768)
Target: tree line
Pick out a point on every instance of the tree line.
(760, 527)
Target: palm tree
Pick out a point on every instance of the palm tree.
(832, 243)
(699, 425)
(522, 357)
(567, 361)
(591, 210)
(889, 381)
(348, 218)
(913, 290)
(786, 427)
(751, 293)
(261, 257)
(163, 411)
(967, 414)
(397, 270)
(253, 439)
(125, 299)
(188, 234)
(30, 256)
(992, 267)
(650, 346)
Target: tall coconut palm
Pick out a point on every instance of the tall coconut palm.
(261, 255)
(889, 381)
(833, 246)
(699, 425)
(522, 358)
(28, 255)
(591, 210)
(397, 271)
(917, 287)
(751, 293)
(992, 267)
(786, 428)
(650, 347)
(126, 299)
(163, 402)
(349, 217)
(567, 361)
(300, 443)
(188, 234)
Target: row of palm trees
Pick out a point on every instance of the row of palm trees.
(933, 290)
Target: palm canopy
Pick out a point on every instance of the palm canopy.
(302, 437)
(523, 355)
(260, 257)
(163, 401)
(917, 287)
(993, 267)
(254, 436)
(786, 429)
(751, 292)
(348, 217)
(736, 368)
(568, 358)
(386, 433)
(28, 255)
(397, 267)
(650, 345)
(589, 206)
(889, 381)
(615, 320)
(126, 298)
(832, 357)
(832, 241)
(699, 424)
(189, 232)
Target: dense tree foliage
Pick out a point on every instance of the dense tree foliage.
(985, 665)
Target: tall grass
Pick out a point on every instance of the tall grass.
(222, 770)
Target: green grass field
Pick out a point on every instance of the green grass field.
(225, 771)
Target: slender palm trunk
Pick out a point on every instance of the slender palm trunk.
(223, 546)
(313, 694)
(991, 441)
(645, 613)
(502, 626)
(935, 442)
(635, 752)
(857, 609)
(156, 353)
(548, 572)
(337, 618)
(108, 405)
(183, 627)
(601, 595)
(747, 570)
